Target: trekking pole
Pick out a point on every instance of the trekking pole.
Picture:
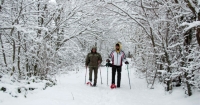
(100, 74)
(85, 75)
(107, 75)
(129, 77)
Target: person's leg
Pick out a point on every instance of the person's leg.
(95, 75)
(119, 69)
(90, 73)
(113, 74)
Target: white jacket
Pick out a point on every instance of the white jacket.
(117, 57)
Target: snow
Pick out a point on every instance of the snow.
(72, 90)
(190, 25)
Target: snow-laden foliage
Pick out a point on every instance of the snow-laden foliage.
(41, 39)
(159, 40)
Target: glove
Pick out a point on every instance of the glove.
(107, 60)
(108, 64)
(126, 62)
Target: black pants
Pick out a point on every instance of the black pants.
(118, 69)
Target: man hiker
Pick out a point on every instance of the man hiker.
(117, 57)
(93, 60)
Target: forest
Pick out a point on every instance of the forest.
(43, 38)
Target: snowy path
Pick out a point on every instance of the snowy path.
(71, 90)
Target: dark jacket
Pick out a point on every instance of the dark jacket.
(92, 59)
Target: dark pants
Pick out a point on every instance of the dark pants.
(118, 69)
(91, 69)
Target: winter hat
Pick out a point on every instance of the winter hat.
(94, 47)
(117, 44)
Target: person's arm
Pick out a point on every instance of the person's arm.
(111, 55)
(108, 64)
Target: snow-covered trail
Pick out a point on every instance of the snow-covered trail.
(71, 90)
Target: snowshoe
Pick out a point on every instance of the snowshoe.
(113, 86)
(89, 83)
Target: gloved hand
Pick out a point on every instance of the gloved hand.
(126, 62)
(107, 60)
(99, 62)
(108, 64)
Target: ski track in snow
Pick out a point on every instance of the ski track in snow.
(71, 90)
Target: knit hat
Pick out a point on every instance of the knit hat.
(94, 47)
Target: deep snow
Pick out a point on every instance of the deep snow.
(71, 90)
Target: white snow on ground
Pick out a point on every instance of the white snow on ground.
(71, 90)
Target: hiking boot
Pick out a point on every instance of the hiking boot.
(94, 84)
(118, 85)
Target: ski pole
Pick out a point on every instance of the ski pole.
(107, 75)
(85, 75)
(100, 75)
(128, 77)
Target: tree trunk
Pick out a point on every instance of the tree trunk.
(14, 47)
(35, 70)
(198, 35)
(154, 45)
(27, 65)
(4, 55)
(198, 30)
(1, 3)
(197, 17)
(187, 42)
(19, 48)
(189, 91)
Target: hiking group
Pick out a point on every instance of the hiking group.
(94, 59)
